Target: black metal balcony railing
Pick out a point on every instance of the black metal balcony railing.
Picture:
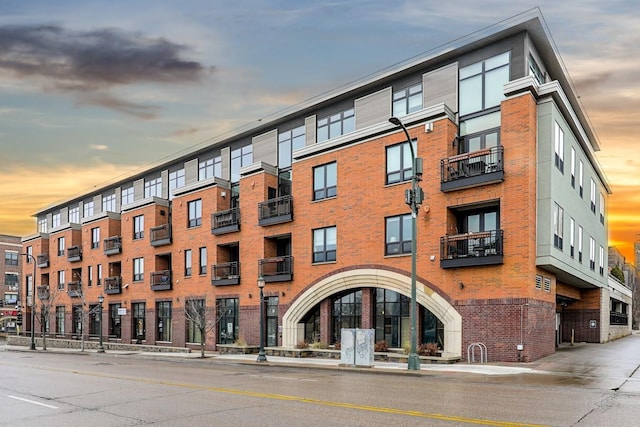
(74, 289)
(275, 211)
(74, 254)
(112, 245)
(42, 260)
(161, 235)
(112, 285)
(471, 249)
(276, 269)
(616, 318)
(472, 169)
(43, 292)
(225, 221)
(161, 280)
(227, 273)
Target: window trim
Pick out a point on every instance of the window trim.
(326, 254)
(326, 191)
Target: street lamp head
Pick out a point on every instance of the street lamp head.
(100, 298)
(396, 121)
(260, 282)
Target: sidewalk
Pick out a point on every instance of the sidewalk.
(615, 360)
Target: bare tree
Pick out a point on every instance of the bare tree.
(47, 297)
(196, 312)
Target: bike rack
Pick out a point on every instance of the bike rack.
(471, 352)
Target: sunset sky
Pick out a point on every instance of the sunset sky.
(95, 90)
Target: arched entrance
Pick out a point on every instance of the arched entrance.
(292, 321)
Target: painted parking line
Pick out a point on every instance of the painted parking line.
(32, 401)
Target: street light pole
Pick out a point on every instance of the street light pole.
(262, 357)
(100, 301)
(33, 300)
(413, 198)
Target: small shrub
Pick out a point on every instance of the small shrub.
(240, 342)
(319, 345)
(337, 345)
(406, 349)
(428, 349)
(302, 344)
(381, 347)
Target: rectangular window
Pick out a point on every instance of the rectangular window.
(325, 181)
(573, 167)
(187, 262)
(580, 175)
(61, 279)
(407, 100)
(572, 239)
(138, 323)
(195, 213)
(288, 142)
(99, 282)
(114, 321)
(61, 246)
(109, 203)
(60, 320)
(229, 320)
(601, 260)
(95, 237)
(559, 147)
(138, 227)
(42, 225)
(336, 125)
(55, 220)
(89, 275)
(558, 227)
(11, 280)
(176, 180)
(399, 163)
(11, 258)
(138, 269)
(203, 260)
(601, 209)
(240, 157)
(535, 71)
(592, 253)
(163, 320)
(153, 188)
(195, 314)
(481, 84)
(324, 244)
(127, 196)
(74, 215)
(580, 243)
(87, 209)
(398, 235)
(210, 168)
(593, 196)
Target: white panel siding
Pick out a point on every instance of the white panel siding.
(226, 163)
(373, 108)
(190, 171)
(441, 85)
(310, 129)
(265, 147)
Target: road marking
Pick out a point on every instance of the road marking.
(33, 401)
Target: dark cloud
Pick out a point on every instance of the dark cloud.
(94, 61)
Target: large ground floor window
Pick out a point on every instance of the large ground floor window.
(138, 323)
(163, 320)
(346, 313)
(228, 325)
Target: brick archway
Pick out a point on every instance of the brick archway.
(376, 278)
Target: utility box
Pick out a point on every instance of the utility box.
(357, 347)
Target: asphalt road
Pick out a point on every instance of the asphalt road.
(60, 389)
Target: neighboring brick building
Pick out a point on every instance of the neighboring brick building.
(511, 236)
(10, 271)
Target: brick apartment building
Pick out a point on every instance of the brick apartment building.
(10, 271)
(511, 235)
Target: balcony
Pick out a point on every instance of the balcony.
(42, 260)
(227, 273)
(225, 221)
(113, 285)
(43, 292)
(161, 280)
(112, 245)
(74, 254)
(277, 269)
(161, 235)
(472, 169)
(74, 289)
(471, 249)
(275, 211)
